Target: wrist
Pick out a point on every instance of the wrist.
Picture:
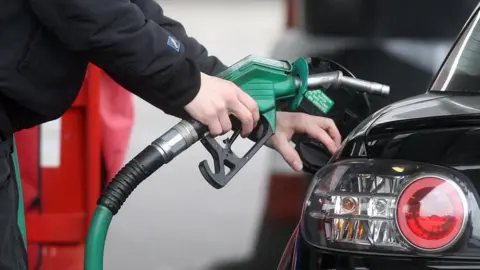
(184, 85)
(182, 88)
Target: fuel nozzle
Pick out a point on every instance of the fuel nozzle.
(336, 78)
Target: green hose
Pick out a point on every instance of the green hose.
(115, 194)
(97, 234)
(21, 211)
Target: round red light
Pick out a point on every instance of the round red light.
(431, 213)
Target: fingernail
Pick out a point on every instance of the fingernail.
(297, 165)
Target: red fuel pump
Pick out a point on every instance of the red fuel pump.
(60, 200)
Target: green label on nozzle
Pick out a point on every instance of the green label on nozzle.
(320, 100)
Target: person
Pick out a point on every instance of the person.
(45, 47)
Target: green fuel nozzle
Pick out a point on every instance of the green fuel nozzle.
(269, 81)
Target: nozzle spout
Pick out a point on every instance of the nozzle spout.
(336, 78)
(324, 80)
(373, 88)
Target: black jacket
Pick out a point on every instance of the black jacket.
(45, 46)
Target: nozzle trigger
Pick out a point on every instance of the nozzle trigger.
(225, 157)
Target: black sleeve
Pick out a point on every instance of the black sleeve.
(134, 50)
(208, 64)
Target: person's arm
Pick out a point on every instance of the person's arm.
(209, 64)
(118, 37)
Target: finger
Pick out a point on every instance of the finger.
(329, 126)
(244, 115)
(215, 127)
(288, 153)
(224, 121)
(319, 134)
(251, 105)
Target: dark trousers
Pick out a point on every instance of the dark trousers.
(13, 255)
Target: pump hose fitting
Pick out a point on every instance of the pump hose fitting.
(159, 152)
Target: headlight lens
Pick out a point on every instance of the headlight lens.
(388, 206)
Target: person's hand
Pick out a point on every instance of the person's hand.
(288, 124)
(219, 98)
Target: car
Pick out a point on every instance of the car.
(403, 192)
(377, 40)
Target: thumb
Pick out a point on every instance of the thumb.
(288, 153)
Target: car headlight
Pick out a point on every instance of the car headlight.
(391, 206)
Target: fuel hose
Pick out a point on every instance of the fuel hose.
(159, 152)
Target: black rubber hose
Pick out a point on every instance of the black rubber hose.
(129, 177)
(150, 160)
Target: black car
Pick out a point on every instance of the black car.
(401, 43)
(403, 190)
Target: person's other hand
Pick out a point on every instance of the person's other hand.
(219, 98)
(288, 124)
